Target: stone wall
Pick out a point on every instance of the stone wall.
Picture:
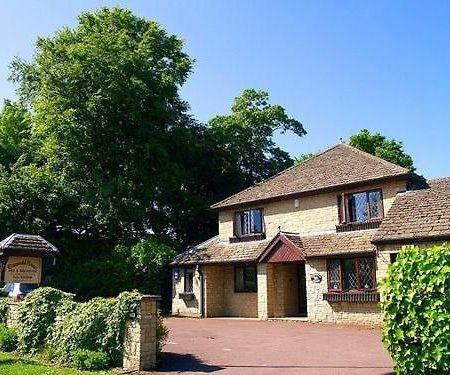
(13, 313)
(315, 213)
(361, 313)
(220, 297)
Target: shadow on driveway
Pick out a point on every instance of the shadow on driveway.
(174, 362)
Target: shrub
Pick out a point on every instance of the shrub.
(3, 309)
(36, 315)
(8, 339)
(162, 334)
(96, 325)
(90, 360)
(416, 310)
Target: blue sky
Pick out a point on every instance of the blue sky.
(337, 66)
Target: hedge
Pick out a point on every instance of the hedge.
(86, 335)
(416, 310)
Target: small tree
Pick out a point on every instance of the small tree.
(416, 310)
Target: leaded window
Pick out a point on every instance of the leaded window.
(346, 274)
(360, 207)
(334, 274)
(249, 222)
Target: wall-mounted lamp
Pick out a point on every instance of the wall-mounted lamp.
(296, 203)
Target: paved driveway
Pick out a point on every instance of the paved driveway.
(231, 346)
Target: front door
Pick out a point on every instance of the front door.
(302, 307)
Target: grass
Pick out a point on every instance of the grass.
(12, 364)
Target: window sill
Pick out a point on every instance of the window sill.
(350, 227)
(248, 237)
(186, 296)
(372, 296)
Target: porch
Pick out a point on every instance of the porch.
(277, 290)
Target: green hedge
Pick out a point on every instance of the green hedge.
(3, 309)
(8, 339)
(72, 333)
(416, 309)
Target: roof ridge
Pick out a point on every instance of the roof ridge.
(374, 156)
(438, 179)
(276, 175)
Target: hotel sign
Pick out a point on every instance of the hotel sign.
(23, 270)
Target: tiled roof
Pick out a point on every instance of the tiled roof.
(27, 244)
(336, 167)
(216, 251)
(418, 215)
(357, 242)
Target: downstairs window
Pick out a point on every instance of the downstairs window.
(351, 274)
(245, 279)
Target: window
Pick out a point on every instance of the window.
(351, 274)
(393, 257)
(248, 222)
(360, 207)
(245, 279)
(189, 280)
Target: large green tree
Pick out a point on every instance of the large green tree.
(385, 148)
(101, 154)
(107, 117)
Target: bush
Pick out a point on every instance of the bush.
(416, 310)
(8, 339)
(96, 325)
(36, 315)
(3, 309)
(162, 334)
(90, 360)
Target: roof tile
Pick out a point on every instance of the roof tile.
(338, 166)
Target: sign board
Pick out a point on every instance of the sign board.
(23, 270)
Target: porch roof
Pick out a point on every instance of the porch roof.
(216, 251)
(330, 244)
(293, 247)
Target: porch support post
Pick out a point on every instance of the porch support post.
(263, 312)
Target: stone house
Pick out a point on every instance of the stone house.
(311, 241)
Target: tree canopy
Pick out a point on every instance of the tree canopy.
(246, 135)
(378, 145)
(101, 156)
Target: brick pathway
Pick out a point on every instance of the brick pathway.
(231, 346)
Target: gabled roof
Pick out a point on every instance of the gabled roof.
(27, 245)
(281, 250)
(418, 215)
(334, 168)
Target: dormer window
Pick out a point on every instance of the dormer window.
(249, 222)
(360, 207)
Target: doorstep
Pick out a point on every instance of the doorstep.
(290, 319)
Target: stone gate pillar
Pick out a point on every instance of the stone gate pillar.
(139, 349)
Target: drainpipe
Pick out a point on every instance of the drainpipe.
(202, 292)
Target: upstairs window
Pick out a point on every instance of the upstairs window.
(349, 274)
(249, 222)
(360, 207)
